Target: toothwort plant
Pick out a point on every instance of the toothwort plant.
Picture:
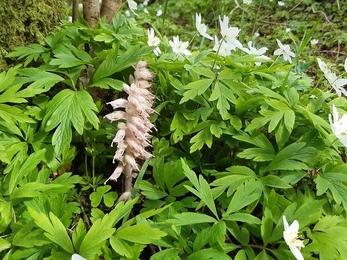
(134, 127)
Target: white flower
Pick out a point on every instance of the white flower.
(222, 49)
(202, 28)
(256, 34)
(285, 51)
(230, 34)
(153, 41)
(77, 257)
(224, 25)
(336, 83)
(132, 5)
(127, 12)
(339, 126)
(159, 12)
(281, 3)
(288, 30)
(179, 47)
(314, 42)
(145, 2)
(247, 2)
(290, 235)
(254, 51)
(145, 10)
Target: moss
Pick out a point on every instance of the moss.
(27, 21)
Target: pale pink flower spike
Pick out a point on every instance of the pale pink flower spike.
(133, 135)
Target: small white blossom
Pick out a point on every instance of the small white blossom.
(256, 34)
(288, 30)
(145, 10)
(339, 126)
(221, 48)
(202, 28)
(281, 3)
(290, 235)
(77, 257)
(314, 42)
(153, 41)
(285, 51)
(145, 2)
(247, 2)
(260, 52)
(159, 12)
(127, 12)
(229, 34)
(132, 5)
(336, 83)
(179, 47)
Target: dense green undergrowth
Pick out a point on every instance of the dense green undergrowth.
(238, 142)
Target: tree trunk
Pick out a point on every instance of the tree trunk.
(109, 8)
(91, 12)
(75, 10)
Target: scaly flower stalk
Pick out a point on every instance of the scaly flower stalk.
(134, 127)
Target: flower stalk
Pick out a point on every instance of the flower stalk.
(134, 127)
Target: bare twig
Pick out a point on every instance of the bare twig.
(327, 19)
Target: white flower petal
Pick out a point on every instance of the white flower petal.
(296, 252)
(77, 257)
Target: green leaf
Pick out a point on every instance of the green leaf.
(330, 231)
(12, 114)
(241, 255)
(171, 253)
(79, 234)
(101, 230)
(150, 191)
(266, 226)
(34, 189)
(334, 181)
(26, 167)
(202, 191)
(195, 88)
(6, 213)
(208, 253)
(224, 95)
(95, 198)
(245, 194)
(107, 83)
(65, 109)
(140, 233)
(177, 125)
(292, 157)
(275, 182)
(217, 128)
(289, 120)
(210, 235)
(4, 244)
(110, 198)
(265, 152)
(42, 80)
(115, 62)
(121, 247)
(202, 137)
(201, 71)
(54, 229)
(190, 218)
(243, 217)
